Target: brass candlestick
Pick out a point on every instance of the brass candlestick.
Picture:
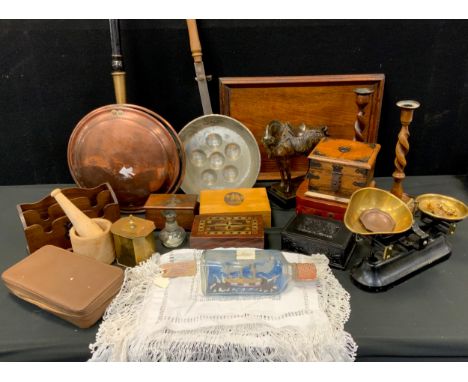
(363, 96)
(402, 147)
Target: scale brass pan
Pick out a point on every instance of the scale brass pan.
(442, 207)
(372, 211)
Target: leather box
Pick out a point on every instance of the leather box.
(213, 231)
(338, 167)
(236, 201)
(310, 234)
(185, 206)
(318, 205)
(73, 287)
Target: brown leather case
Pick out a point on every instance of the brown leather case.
(73, 287)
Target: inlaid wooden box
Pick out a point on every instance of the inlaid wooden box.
(213, 231)
(236, 201)
(338, 167)
(185, 206)
(314, 100)
(318, 205)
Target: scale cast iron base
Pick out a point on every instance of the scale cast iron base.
(375, 274)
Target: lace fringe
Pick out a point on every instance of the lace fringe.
(118, 337)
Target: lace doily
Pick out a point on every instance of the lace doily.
(148, 323)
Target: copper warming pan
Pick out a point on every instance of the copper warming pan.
(134, 149)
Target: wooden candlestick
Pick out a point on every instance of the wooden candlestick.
(402, 147)
(363, 96)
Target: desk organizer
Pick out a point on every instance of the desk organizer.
(44, 222)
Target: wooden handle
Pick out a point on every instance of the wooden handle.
(119, 87)
(195, 45)
(84, 226)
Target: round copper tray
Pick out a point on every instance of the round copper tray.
(127, 147)
(177, 141)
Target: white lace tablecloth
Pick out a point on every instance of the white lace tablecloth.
(148, 323)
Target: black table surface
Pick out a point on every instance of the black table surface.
(423, 318)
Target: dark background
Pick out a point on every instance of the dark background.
(53, 72)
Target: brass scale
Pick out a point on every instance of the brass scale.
(403, 235)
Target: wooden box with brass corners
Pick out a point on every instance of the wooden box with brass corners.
(235, 201)
(213, 231)
(338, 167)
(44, 222)
(185, 206)
(318, 205)
(310, 234)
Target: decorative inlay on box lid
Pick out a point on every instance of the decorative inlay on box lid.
(219, 225)
(235, 200)
(348, 152)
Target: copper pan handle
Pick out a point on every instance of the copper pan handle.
(195, 45)
(118, 73)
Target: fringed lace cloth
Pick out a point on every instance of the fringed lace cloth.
(148, 323)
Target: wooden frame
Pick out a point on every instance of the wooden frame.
(315, 100)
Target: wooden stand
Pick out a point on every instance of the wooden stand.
(401, 150)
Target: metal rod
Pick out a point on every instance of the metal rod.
(117, 59)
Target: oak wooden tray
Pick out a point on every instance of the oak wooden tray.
(315, 100)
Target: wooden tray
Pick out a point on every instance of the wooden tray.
(315, 100)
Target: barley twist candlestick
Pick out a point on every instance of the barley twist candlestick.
(402, 147)
(363, 96)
